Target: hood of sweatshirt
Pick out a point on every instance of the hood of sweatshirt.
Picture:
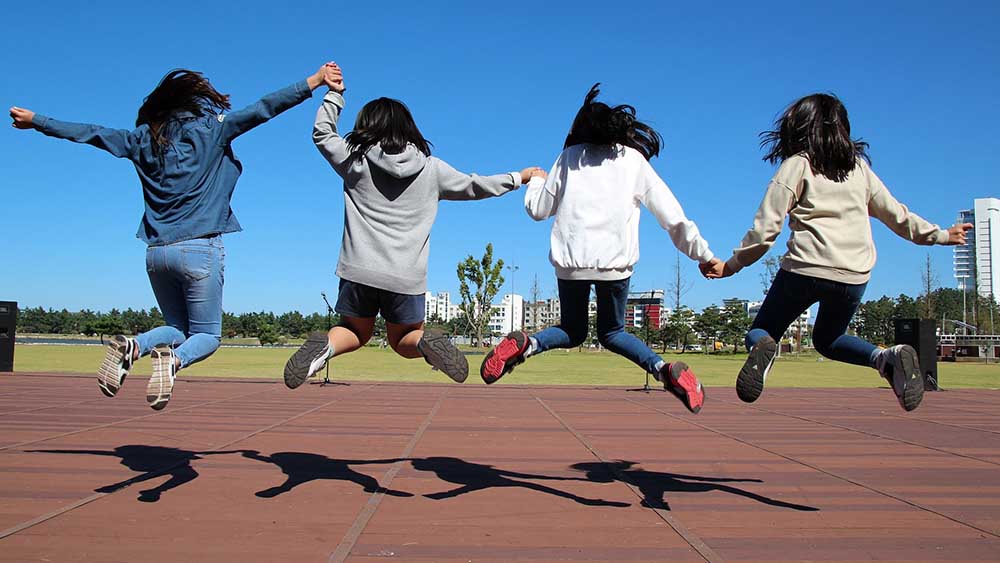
(402, 165)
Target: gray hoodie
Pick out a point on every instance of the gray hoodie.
(390, 202)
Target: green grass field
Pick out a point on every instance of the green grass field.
(556, 367)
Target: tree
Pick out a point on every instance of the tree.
(928, 280)
(678, 286)
(107, 325)
(678, 327)
(736, 323)
(486, 279)
(771, 266)
(709, 324)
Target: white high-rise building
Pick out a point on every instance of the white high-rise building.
(439, 305)
(508, 315)
(977, 262)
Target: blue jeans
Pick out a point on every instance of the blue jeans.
(187, 279)
(574, 296)
(791, 294)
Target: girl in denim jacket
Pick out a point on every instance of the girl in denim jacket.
(181, 150)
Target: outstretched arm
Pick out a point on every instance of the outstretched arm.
(541, 199)
(778, 200)
(238, 122)
(454, 185)
(331, 145)
(901, 220)
(116, 141)
(658, 198)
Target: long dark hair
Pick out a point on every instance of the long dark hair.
(387, 122)
(816, 125)
(180, 90)
(600, 124)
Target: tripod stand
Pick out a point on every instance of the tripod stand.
(329, 324)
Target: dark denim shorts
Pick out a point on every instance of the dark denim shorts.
(364, 301)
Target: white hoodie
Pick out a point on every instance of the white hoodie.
(594, 191)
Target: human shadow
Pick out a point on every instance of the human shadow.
(473, 477)
(655, 484)
(151, 462)
(301, 468)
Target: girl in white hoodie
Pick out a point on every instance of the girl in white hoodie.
(594, 191)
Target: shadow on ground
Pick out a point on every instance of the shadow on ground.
(300, 468)
(654, 485)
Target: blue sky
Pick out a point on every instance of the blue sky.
(494, 87)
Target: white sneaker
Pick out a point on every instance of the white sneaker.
(116, 365)
(161, 383)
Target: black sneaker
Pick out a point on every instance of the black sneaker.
(900, 366)
(161, 383)
(117, 362)
(750, 382)
(439, 352)
(504, 356)
(307, 360)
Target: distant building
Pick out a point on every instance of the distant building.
(643, 306)
(977, 262)
(440, 306)
(508, 315)
(541, 314)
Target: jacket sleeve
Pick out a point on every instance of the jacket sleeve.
(661, 202)
(119, 142)
(778, 200)
(455, 185)
(898, 218)
(238, 122)
(541, 199)
(331, 145)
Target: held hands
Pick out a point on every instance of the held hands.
(715, 269)
(956, 234)
(333, 77)
(22, 118)
(532, 172)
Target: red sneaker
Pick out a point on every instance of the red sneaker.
(678, 378)
(504, 356)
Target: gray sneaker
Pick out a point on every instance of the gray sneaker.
(900, 366)
(307, 360)
(753, 374)
(117, 362)
(439, 352)
(161, 383)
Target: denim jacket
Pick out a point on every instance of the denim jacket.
(188, 186)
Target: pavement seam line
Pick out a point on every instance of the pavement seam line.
(123, 421)
(158, 472)
(862, 432)
(819, 469)
(347, 543)
(910, 416)
(687, 535)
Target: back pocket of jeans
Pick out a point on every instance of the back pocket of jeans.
(197, 263)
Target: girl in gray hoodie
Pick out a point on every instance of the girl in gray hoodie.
(392, 186)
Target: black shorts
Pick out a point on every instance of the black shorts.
(364, 301)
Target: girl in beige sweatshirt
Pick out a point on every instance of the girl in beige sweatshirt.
(828, 191)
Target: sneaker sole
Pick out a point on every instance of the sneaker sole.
(109, 375)
(750, 381)
(443, 355)
(161, 385)
(687, 388)
(906, 376)
(495, 364)
(297, 367)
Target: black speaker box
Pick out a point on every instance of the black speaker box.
(922, 335)
(8, 324)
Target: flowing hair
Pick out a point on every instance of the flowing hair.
(816, 125)
(386, 122)
(180, 90)
(600, 124)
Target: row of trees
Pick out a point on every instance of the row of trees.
(266, 327)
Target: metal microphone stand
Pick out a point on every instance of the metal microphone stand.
(329, 324)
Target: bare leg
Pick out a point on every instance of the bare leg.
(404, 338)
(351, 334)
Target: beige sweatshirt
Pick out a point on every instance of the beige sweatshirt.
(831, 233)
